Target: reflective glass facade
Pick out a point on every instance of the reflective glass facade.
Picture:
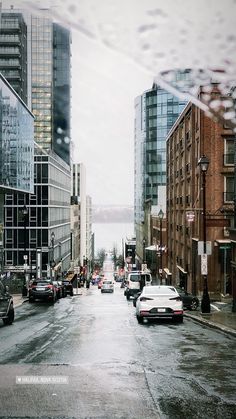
(48, 211)
(41, 79)
(50, 79)
(16, 141)
(155, 113)
(13, 51)
(61, 91)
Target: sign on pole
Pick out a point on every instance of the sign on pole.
(200, 248)
(204, 264)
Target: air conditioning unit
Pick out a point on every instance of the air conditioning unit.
(226, 232)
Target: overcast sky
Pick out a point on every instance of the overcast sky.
(104, 86)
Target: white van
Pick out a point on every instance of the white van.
(135, 282)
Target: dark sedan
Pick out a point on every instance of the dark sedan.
(42, 290)
(190, 301)
(68, 286)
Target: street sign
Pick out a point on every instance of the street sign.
(200, 248)
(218, 222)
(190, 216)
(204, 264)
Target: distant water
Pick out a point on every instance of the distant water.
(109, 234)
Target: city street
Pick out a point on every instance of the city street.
(109, 365)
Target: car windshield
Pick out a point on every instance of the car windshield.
(41, 283)
(159, 290)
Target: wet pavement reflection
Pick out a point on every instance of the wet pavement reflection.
(116, 367)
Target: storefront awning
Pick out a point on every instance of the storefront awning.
(181, 269)
(153, 247)
(57, 267)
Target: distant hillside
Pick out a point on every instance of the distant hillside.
(112, 214)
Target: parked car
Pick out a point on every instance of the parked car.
(68, 286)
(190, 301)
(43, 290)
(63, 288)
(158, 302)
(7, 313)
(107, 286)
(58, 287)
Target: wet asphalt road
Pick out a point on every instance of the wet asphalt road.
(113, 367)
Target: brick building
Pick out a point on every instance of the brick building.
(193, 135)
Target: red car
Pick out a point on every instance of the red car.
(100, 284)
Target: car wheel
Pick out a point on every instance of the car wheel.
(10, 317)
(140, 319)
(194, 305)
(31, 300)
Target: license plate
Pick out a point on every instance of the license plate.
(161, 310)
(40, 289)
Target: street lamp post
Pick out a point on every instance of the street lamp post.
(52, 257)
(144, 252)
(25, 212)
(203, 163)
(160, 216)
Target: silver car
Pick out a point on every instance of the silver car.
(107, 286)
(158, 302)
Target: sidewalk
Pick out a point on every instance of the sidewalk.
(18, 300)
(221, 317)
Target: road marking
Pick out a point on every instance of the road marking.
(215, 307)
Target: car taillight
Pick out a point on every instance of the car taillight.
(175, 298)
(145, 298)
(178, 311)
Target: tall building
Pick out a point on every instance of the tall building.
(193, 135)
(16, 164)
(13, 51)
(156, 110)
(78, 197)
(48, 66)
(89, 243)
(50, 81)
(47, 224)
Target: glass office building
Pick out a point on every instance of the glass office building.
(156, 110)
(16, 141)
(13, 51)
(48, 212)
(61, 91)
(50, 81)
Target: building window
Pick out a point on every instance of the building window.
(228, 152)
(229, 189)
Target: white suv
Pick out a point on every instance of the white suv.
(135, 282)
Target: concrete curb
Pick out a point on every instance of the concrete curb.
(211, 324)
